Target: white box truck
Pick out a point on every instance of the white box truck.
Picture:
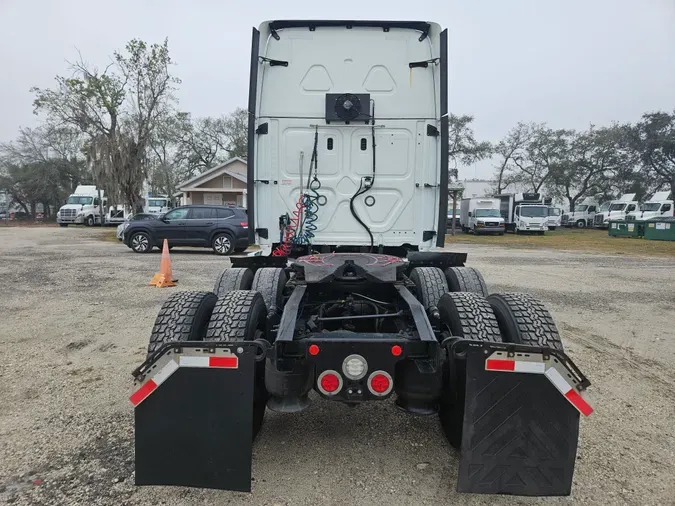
(615, 210)
(524, 212)
(481, 216)
(658, 206)
(82, 207)
(554, 217)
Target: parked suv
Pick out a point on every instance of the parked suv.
(225, 229)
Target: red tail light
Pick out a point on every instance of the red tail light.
(313, 349)
(329, 382)
(244, 224)
(396, 350)
(380, 383)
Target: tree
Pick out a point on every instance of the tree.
(206, 142)
(43, 165)
(510, 149)
(590, 160)
(463, 147)
(653, 141)
(117, 109)
(544, 148)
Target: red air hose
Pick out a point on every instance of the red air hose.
(285, 248)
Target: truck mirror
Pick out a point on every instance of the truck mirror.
(469, 215)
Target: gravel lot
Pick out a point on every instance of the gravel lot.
(75, 316)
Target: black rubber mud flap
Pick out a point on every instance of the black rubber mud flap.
(195, 428)
(519, 434)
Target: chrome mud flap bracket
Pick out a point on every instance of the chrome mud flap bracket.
(520, 423)
(193, 408)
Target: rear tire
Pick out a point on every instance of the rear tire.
(233, 278)
(240, 315)
(183, 317)
(469, 316)
(270, 282)
(430, 285)
(223, 244)
(140, 243)
(465, 279)
(523, 319)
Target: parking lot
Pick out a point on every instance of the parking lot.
(76, 313)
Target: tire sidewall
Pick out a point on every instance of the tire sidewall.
(229, 237)
(144, 234)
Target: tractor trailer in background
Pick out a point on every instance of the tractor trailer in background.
(84, 207)
(524, 212)
(658, 206)
(481, 216)
(583, 214)
(615, 210)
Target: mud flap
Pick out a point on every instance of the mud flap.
(194, 416)
(519, 430)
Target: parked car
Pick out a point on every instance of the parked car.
(136, 217)
(225, 229)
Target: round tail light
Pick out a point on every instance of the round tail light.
(380, 383)
(329, 382)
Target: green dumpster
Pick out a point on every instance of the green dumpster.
(660, 229)
(622, 228)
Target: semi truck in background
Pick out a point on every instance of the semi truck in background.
(658, 206)
(159, 204)
(554, 217)
(84, 207)
(583, 214)
(524, 212)
(481, 216)
(615, 210)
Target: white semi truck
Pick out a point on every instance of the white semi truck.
(82, 207)
(159, 204)
(524, 212)
(481, 216)
(616, 210)
(658, 206)
(583, 214)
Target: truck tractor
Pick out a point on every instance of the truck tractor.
(582, 216)
(82, 207)
(615, 210)
(658, 206)
(352, 296)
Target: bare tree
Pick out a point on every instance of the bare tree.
(510, 150)
(463, 147)
(117, 109)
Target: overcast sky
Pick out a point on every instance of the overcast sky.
(566, 62)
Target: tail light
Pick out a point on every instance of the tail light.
(244, 224)
(380, 383)
(329, 382)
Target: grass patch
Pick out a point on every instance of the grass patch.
(592, 241)
(109, 234)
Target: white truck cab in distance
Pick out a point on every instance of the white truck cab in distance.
(82, 207)
(615, 210)
(657, 206)
(481, 216)
(554, 217)
(518, 219)
(582, 216)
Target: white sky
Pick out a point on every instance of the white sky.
(566, 62)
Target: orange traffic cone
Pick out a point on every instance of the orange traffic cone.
(164, 277)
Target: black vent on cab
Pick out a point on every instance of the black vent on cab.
(347, 107)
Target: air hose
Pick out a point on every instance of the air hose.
(369, 182)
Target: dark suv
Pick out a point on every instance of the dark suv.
(225, 229)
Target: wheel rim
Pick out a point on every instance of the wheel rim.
(139, 242)
(222, 244)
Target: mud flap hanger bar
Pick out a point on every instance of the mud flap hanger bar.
(552, 363)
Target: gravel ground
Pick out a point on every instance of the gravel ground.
(75, 316)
